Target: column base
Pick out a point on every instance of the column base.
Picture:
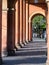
(11, 53)
(4, 53)
(47, 62)
(24, 43)
(30, 40)
(17, 46)
(21, 44)
(27, 42)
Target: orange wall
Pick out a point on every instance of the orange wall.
(38, 7)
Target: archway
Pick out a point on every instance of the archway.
(30, 22)
(41, 41)
(39, 26)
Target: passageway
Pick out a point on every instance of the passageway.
(18, 46)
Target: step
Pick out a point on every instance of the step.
(25, 60)
(35, 48)
(26, 53)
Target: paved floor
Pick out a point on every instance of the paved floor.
(33, 53)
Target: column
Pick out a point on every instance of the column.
(17, 17)
(30, 31)
(0, 30)
(4, 27)
(21, 23)
(47, 63)
(24, 21)
(10, 28)
(27, 22)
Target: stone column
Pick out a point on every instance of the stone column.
(47, 63)
(27, 21)
(30, 31)
(24, 21)
(10, 28)
(17, 20)
(0, 30)
(21, 23)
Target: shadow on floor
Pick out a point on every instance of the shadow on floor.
(25, 61)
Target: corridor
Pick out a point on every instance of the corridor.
(33, 53)
(16, 17)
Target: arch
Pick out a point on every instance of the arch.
(34, 13)
(30, 22)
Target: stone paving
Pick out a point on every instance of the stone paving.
(33, 53)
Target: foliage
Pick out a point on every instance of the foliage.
(39, 24)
